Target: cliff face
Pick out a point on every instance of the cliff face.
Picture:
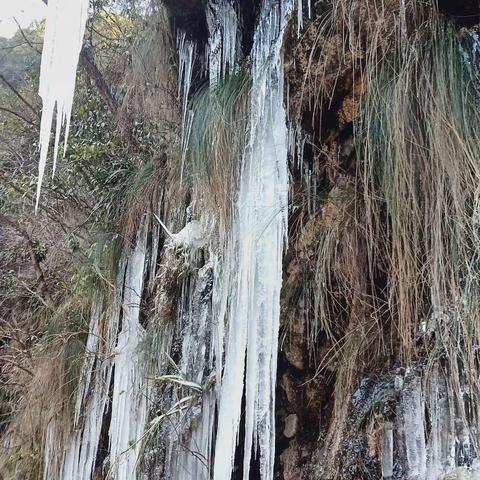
(292, 290)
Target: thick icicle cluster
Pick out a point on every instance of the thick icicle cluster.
(197, 423)
(439, 447)
(129, 399)
(259, 231)
(111, 355)
(230, 306)
(224, 37)
(64, 29)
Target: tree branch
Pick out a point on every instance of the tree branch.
(94, 73)
(29, 43)
(18, 115)
(18, 94)
(36, 264)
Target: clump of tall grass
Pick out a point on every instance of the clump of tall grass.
(406, 265)
(150, 87)
(419, 147)
(216, 143)
(344, 47)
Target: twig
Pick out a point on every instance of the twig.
(167, 231)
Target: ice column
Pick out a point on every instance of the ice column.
(186, 57)
(93, 394)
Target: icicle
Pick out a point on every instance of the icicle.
(259, 232)
(64, 29)
(437, 449)
(129, 400)
(411, 421)
(81, 454)
(223, 39)
(50, 455)
(152, 268)
(186, 56)
(441, 442)
(299, 16)
(387, 451)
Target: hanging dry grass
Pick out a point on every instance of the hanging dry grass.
(216, 144)
(419, 164)
(341, 50)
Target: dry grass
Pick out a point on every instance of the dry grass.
(46, 384)
(419, 151)
(150, 80)
(342, 49)
(418, 159)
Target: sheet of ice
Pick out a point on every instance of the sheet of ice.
(64, 29)
(192, 236)
(255, 260)
(433, 446)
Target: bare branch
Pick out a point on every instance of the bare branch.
(26, 120)
(18, 94)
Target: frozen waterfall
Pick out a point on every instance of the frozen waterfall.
(257, 245)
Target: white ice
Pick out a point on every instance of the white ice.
(255, 261)
(64, 29)
(129, 400)
(223, 40)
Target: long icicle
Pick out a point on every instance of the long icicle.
(64, 30)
